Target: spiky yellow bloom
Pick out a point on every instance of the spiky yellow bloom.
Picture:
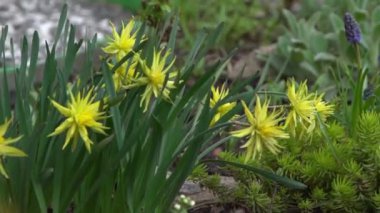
(301, 106)
(323, 109)
(154, 78)
(219, 94)
(5, 149)
(81, 113)
(124, 74)
(262, 131)
(121, 44)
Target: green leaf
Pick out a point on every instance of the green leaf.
(376, 32)
(61, 23)
(324, 57)
(360, 15)
(336, 22)
(33, 58)
(376, 15)
(267, 174)
(115, 112)
(291, 20)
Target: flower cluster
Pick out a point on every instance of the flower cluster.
(82, 112)
(306, 109)
(263, 130)
(155, 76)
(183, 203)
(119, 45)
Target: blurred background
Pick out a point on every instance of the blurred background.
(281, 38)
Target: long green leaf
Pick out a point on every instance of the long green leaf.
(267, 174)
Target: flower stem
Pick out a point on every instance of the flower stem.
(358, 59)
(357, 105)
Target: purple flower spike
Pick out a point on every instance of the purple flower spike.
(352, 29)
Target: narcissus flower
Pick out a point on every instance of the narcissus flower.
(124, 74)
(154, 78)
(121, 44)
(6, 149)
(302, 107)
(219, 94)
(322, 108)
(81, 113)
(263, 130)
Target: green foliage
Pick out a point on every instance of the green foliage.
(257, 15)
(344, 195)
(368, 128)
(314, 46)
(346, 182)
(306, 206)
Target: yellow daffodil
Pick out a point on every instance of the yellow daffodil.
(219, 94)
(262, 131)
(81, 113)
(323, 109)
(121, 44)
(301, 106)
(124, 74)
(5, 149)
(154, 78)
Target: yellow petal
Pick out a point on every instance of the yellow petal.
(84, 135)
(11, 151)
(242, 132)
(63, 110)
(248, 113)
(70, 133)
(11, 140)
(4, 127)
(65, 125)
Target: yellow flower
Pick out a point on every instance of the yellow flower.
(154, 78)
(81, 113)
(219, 94)
(5, 149)
(121, 44)
(323, 109)
(124, 74)
(301, 106)
(262, 131)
